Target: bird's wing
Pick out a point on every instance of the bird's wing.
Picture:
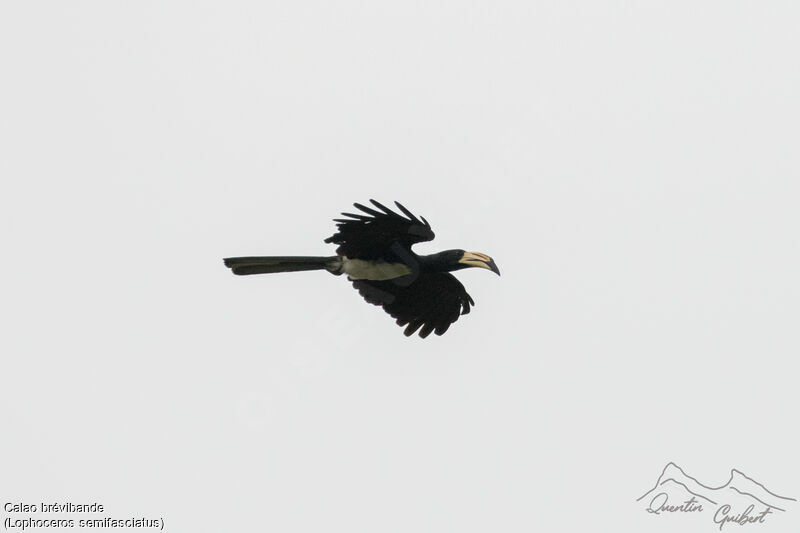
(373, 236)
(432, 301)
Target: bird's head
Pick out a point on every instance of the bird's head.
(458, 259)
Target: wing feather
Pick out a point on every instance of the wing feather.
(432, 302)
(376, 235)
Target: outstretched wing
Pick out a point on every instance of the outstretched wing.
(372, 237)
(433, 301)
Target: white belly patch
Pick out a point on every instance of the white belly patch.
(374, 270)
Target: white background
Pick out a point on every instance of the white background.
(631, 166)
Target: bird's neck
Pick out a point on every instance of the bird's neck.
(440, 262)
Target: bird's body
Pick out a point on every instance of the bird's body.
(375, 253)
(373, 269)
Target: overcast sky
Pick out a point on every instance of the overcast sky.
(632, 167)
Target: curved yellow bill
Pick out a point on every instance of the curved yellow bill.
(477, 259)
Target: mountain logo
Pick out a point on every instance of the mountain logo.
(741, 500)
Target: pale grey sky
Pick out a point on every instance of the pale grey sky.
(631, 166)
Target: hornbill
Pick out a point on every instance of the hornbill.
(375, 252)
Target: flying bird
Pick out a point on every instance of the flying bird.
(374, 251)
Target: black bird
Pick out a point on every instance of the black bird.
(375, 253)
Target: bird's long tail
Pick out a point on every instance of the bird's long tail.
(244, 266)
